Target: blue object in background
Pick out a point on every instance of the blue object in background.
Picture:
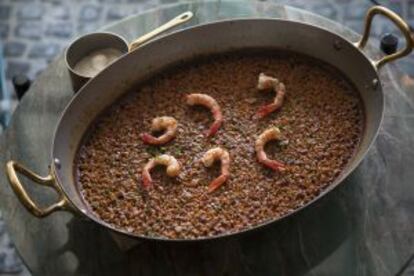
(5, 97)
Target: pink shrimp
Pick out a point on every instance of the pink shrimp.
(269, 134)
(209, 102)
(160, 123)
(208, 159)
(266, 83)
(173, 168)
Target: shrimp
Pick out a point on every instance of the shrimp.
(269, 134)
(158, 124)
(208, 159)
(266, 83)
(173, 168)
(209, 102)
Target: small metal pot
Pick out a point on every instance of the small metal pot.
(135, 67)
(85, 45)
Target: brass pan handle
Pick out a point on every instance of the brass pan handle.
(180, 19)
(63, 204)
(399, 22)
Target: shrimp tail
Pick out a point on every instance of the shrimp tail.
(216, 183)
(274, 165)
(146, 181)
(265, 110)
(213, 129)
(149, 139)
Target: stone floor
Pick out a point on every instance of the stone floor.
(33, 32)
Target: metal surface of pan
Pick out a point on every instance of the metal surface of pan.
(212, 38)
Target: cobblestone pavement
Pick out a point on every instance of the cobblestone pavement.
(33, 32)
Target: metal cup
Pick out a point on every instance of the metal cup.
(85, 45)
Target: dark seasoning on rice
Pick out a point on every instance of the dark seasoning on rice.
(321, 121)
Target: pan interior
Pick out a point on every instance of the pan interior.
(119, 78)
